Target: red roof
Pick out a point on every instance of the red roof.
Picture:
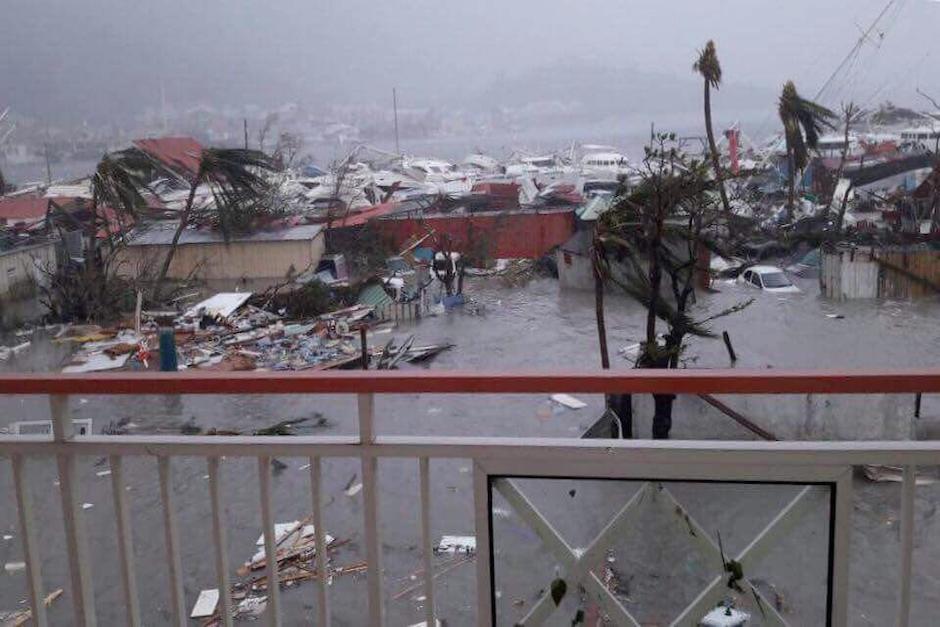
(23, 208)
(358, 219)
(180, 154)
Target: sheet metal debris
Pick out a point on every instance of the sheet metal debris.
(205, 604)
(296, 548)
(226, 333)
(568, 401)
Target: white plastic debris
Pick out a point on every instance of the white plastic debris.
(252, 607)
(282, 529)
(87, 505)
(14, 567)
(457, 544)
(96, 362)
(568, 401)
(103, 473)
(223, 304)
(725, 617)
(354, 489)
(205, 603)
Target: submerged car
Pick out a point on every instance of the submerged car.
(769, 279)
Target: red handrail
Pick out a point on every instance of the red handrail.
(689, 381)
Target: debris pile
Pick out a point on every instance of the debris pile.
(296, 547)
(224, 332)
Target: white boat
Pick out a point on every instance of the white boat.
(609, 165)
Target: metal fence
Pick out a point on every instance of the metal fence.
(496, 461)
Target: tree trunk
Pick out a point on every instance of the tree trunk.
(656, 279)
(841, 170)
(599, 310)
(713, 148)
(791, 182)
(662, 415)
(184, 219)
(842, 207)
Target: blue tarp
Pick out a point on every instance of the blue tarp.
(424, 254)
(311, 170)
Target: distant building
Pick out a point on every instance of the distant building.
(253, 261)
(22, 267)
(24, 210)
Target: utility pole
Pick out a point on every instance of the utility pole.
(395, 108)
(48, 167)
(163, 105)
(245, 120)
(45, 150)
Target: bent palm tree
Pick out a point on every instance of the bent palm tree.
(116, 184)
(234, 177)
(708, 66)
(803, 122)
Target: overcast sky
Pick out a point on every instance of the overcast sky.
(97, 57)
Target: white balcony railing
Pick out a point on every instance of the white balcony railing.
(822, 466)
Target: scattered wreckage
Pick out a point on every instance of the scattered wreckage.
(225, 332)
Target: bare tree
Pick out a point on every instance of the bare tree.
(850, 114)
(269, 121)
(288, 147)
(658, 230)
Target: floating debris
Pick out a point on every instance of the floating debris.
(205, 604)
(456, 544)
(568, 401)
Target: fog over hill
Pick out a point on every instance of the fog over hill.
(103, 60)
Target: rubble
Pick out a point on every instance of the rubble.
(295, 543)
(224, 332)
(16, 618)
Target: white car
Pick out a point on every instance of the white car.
(769, 279)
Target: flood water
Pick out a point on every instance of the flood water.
(534, 327)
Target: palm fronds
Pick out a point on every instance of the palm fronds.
(708, 66)
(235, 177)
(118, 181)
(803, 121)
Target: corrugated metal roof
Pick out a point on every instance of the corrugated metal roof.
(161, 233)
(358, 219)
(373, 295)
(81, 189)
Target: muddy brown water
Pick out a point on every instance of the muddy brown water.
(535, 327)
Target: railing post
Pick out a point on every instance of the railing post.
(171, 534)
(371, 509)
(907, 545)
(83, 597)
(481, 506)
(270, 542)
(30, 548)
(125, 540)
(426, 540)
(842, 525)
(316, 489)
(218, 536)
